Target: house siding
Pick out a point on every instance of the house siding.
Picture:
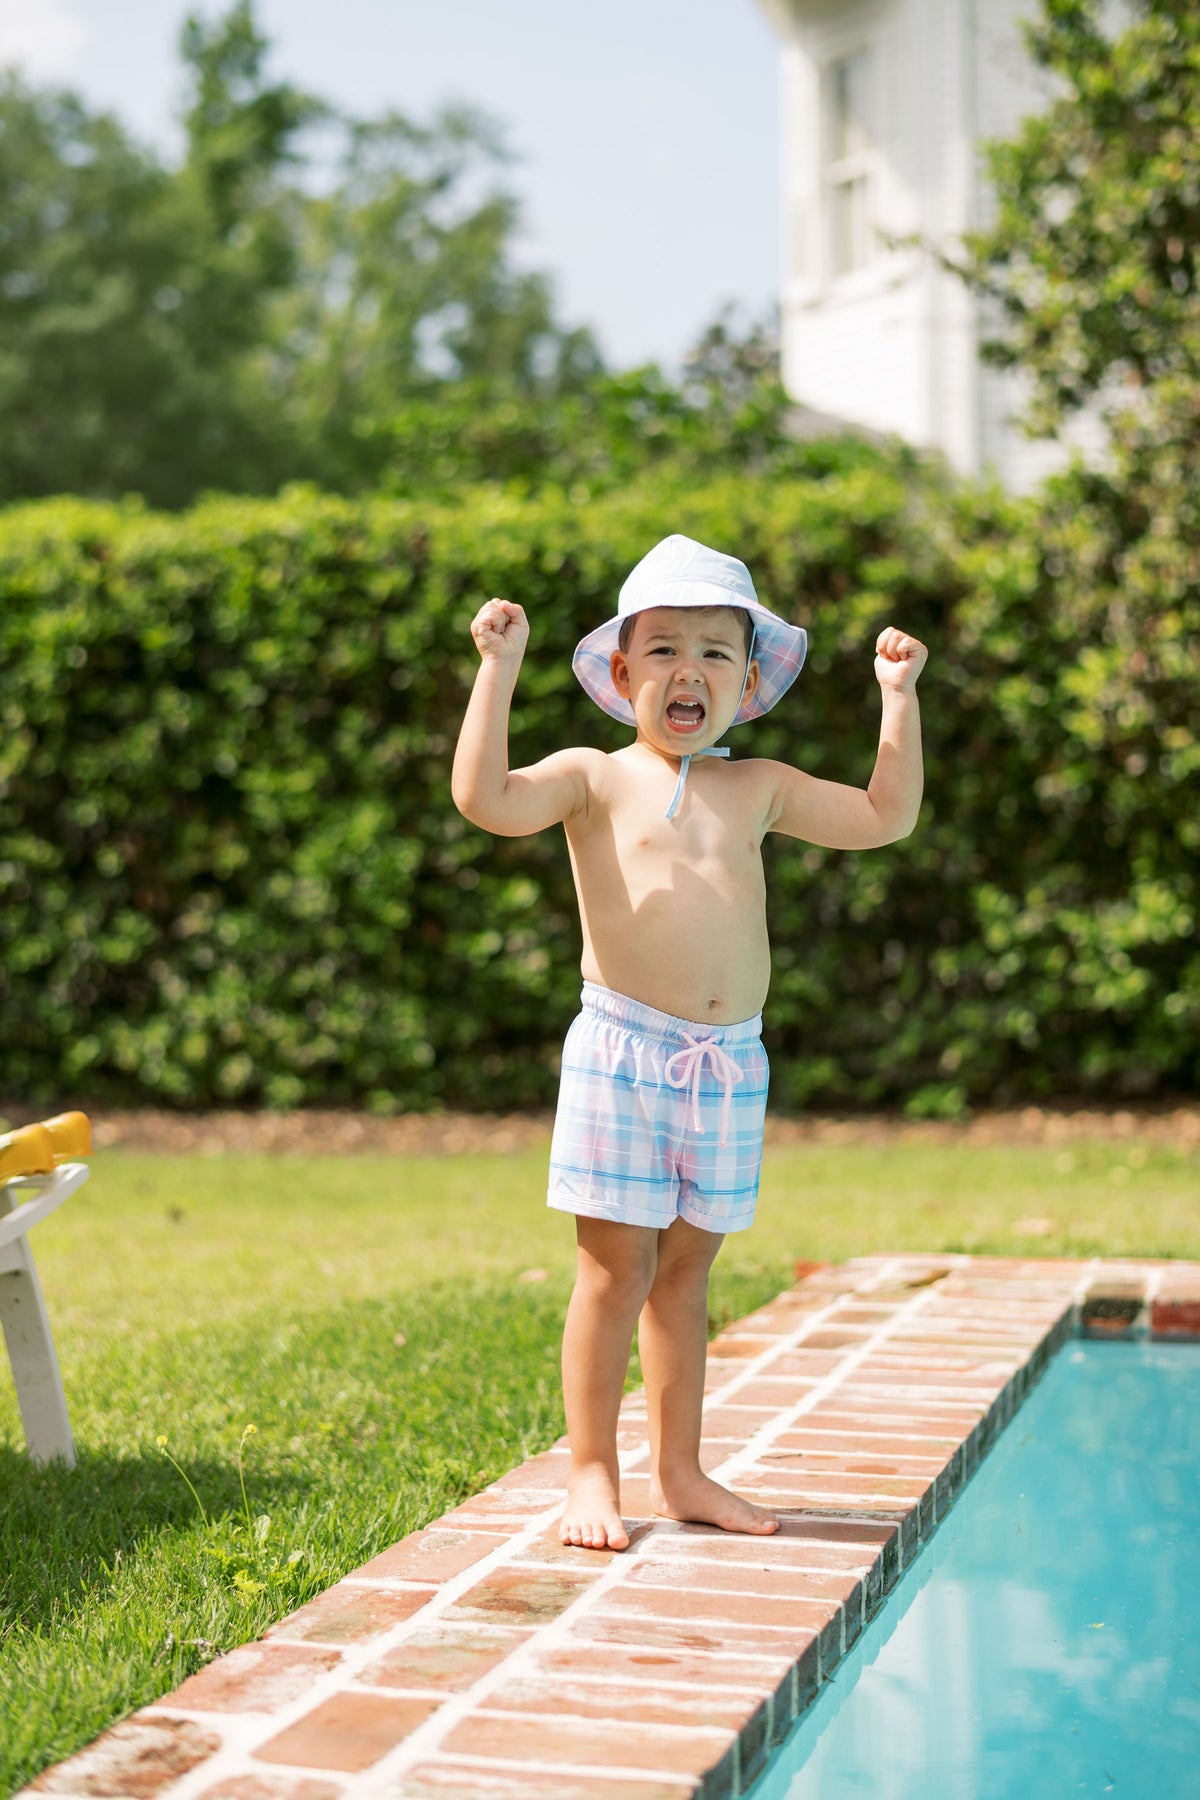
(894, 346)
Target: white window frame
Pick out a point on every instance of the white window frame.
(859, 167)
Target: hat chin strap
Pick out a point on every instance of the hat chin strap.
(685, 762)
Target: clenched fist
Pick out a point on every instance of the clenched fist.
(501, 631)
(899, 658)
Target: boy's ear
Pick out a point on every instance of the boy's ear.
(618, 668)
(752, 674)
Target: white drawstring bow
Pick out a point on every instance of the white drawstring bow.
(692, 1060)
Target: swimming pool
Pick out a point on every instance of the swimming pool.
(1047, 1642)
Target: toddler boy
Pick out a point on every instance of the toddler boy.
(658, 1135)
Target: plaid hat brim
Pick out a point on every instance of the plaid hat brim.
(779, 650)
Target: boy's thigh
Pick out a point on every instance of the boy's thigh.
(686, 1250)
(620, 1250)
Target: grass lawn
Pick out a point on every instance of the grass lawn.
(368, 1318)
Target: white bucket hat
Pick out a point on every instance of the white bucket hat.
(681, 572)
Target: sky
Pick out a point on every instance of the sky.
(646, 130)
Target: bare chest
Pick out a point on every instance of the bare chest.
(714, 836)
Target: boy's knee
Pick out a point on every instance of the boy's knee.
(687, 1255)
(623, 1286)
(622, 1280)
(683, 1275)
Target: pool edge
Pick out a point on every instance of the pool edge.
(330, 1703)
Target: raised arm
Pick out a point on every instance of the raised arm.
(510, 803)
(848, 818)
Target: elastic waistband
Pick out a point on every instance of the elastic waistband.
(606, 1003)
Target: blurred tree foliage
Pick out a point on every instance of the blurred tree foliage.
(1090, 261)
(313, 297)
(1090, 269)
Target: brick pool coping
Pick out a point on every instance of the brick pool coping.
(479, 1657)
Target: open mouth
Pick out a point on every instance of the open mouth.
(685, 715)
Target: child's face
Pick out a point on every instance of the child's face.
(682, 674)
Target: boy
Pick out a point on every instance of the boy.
(658, 1134)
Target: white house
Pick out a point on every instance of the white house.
(884, 103)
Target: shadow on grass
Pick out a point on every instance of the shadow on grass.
(66, 1532)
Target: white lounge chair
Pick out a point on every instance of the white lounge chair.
(25, 1200)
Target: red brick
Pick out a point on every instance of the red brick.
(837, 1336)
(346, 1614)
(932, 1384)
(858, 1414)
(548, 1547)
(734, 1420)
(806, 1360)
(858, 1533)
(778, 1394)
(515, 1506)
(785, 1553)
(517, 1596)
(348, 1732)
(699, 1605)
(271, 1787)
(645, 1701)
(796, 1304)
(944, 1362)
(743, 1578)
(136, 1760)
(852, 1462)
(892, 1445)
(1112, 1308)
(635, 1498)
(542, 1740)
(636, 1632)
(547, 1472)
(782, 1483)
(1176, 1316)
(965, 1334)
(720, 1371)
(742, 1345)
(255, 1678)
(909, 1410)
(802, 1269)
(432, 1555)
(443, 1659)
(442, 1778)
(749, 1674)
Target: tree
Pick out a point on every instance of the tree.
(1091, 263)
(407, 304)
(233, 324)
(1091, 258)
(133, 298)
(223, 325)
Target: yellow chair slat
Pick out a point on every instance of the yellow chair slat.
(35, 1149)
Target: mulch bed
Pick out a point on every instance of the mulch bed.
(317, 1133)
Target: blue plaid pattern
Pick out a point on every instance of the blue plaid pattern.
(626, 1146)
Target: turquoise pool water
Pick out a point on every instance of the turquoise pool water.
(1046, 1643)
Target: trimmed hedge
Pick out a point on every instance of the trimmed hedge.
(231, 871)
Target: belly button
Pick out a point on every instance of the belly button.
(713, 1003)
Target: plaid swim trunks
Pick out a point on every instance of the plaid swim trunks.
(658, 1118)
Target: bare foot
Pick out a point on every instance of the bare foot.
(592, 1519)
(699, 1501)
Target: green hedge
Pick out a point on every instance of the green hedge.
(231, 871)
